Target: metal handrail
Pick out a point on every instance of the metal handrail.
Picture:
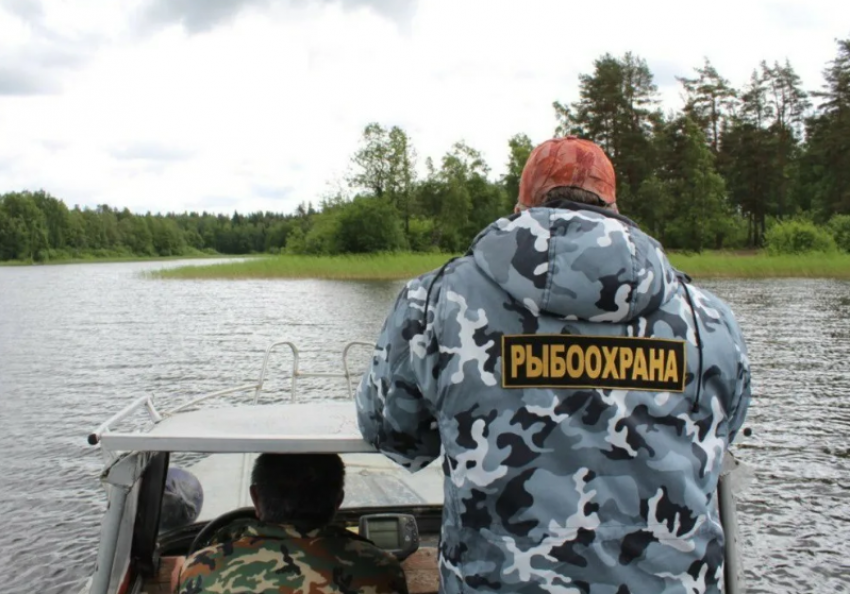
(345, 361)
(199, 399)
(262, 379)
(155, 416)
(296, 372)
(146, 401)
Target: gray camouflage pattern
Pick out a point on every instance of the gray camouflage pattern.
(561, 490)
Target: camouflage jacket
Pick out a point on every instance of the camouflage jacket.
(269, 558)
(584, 459)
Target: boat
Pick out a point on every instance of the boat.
(217, 440)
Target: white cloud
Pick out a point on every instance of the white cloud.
(259, 104)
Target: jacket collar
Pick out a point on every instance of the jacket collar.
(286, 531)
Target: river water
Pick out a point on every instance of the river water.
(78, 342)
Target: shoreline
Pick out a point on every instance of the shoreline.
(114, 259)
(355, 267)
(403, 266)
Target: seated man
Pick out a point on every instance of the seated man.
(293, 547)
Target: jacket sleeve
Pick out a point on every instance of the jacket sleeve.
(393, 413)
(722, 337)
(742, 394)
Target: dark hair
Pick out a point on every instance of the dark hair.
(574, 194)
(299, 489)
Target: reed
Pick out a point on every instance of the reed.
(406, 265)
(760, 265)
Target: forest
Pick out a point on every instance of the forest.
(765, 166)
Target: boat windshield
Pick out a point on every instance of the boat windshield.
(371, 480)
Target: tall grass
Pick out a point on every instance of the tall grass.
(761, 265)
(407, 265)
(345, 267)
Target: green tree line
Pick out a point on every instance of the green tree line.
(733, 161)
(768, 163)
(37, 227)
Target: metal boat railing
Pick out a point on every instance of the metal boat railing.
(155, 416)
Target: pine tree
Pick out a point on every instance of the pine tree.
(828, 151)
(710, 102)
(690, 183)
(788, 105)
(616, 110)
(520, 148)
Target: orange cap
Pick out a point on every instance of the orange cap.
(568, 161)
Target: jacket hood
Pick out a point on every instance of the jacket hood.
(576, 262)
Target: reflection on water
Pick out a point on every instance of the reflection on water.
(78, 342)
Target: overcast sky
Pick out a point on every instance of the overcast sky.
(222, 105)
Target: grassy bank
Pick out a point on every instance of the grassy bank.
(402, 266)
(348, 267)
(760, 265)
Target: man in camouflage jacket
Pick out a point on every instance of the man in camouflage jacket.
(293, 548)
(581, 391)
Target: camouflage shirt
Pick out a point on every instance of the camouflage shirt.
(566, 471)
(270, 558)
